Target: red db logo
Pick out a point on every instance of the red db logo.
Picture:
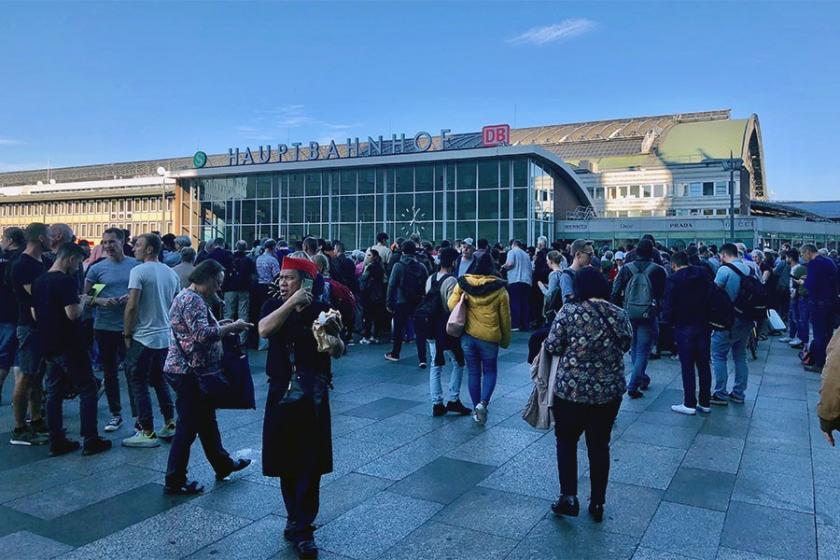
(495, 135)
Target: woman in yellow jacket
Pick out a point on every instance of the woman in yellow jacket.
(487, 328)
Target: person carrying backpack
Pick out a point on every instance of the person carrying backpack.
(640, 287)
(406, 286)
(237, 286)
(745, 290)
(432, 315)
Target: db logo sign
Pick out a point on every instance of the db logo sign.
(495, 135)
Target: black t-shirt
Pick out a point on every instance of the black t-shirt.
(8, 301)
(51, 292)
(25, 269)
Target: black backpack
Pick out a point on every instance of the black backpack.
(751, 301)
(413, 282)
(721, 311)
(431, 310)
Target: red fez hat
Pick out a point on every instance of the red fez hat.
(303, 265)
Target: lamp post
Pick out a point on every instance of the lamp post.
(162, 172)
(732, 166)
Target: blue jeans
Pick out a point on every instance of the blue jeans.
(821, 315)
(644, 331)
(693, 347)
(736, 341)
(436, 372)
(793, 319)
(803, 321)
(481, 357)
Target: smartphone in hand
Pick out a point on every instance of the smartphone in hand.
(307, 285)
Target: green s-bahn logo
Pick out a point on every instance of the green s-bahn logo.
(199, 160)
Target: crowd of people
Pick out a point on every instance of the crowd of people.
(159, 310)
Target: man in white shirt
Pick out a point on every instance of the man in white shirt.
(151, 288)
(519, 275)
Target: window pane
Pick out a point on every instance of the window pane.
(296, 184)
(634, 191)
(264, 211)
(295, 210)
(249, 212)
(366, 208)
(647, 191)
(488, 174)
(466, 176)
(367, 233)
(423, 177)
(313, 184)
(489, 230)
(348, 208)
(658, 191)
(366, 181)
(696, 189)
(708, 189)
(404, 179)
(488, 205)
(405, 205)
(348, 183)
(504, 203)
(520, 230)
(347, 235)
(721, 188)
(520, 173)
(439, 177)
(466, 206)
(264, 186)
(520, 203)
(622, 192)
(505, 173)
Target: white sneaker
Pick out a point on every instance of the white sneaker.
(682, 409)
(364, 341)
(168, 431)
(704, 409)
(795, 342)
(142, 439)
(784, 339)
(480, 414)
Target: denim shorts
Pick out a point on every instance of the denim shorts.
(8, 345)
(29, 349)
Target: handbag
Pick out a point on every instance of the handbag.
(458, 318)
(233, 386)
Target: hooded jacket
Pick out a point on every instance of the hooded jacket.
(488, 307)
(684, 303)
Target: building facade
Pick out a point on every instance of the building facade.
(681, 175)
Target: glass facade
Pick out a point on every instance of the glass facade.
(494, 198)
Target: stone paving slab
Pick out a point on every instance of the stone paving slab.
(747, 482)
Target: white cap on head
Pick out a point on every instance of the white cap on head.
(619, 256)
(469, 241)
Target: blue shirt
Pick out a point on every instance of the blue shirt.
(729, 280)
(267, 268)
(821, 280)
(115, 277)
(464, 266)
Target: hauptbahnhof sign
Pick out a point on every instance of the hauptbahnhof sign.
(493, 135)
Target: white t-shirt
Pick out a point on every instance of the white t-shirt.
(158, 285)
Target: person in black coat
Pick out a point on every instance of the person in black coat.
(297, 436)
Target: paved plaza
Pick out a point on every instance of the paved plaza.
(752, 481)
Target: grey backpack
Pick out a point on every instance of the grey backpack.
(638, 295)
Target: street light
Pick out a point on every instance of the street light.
(162, 172)
(732, 165)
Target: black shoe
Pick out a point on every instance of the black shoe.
(597, 512)
(438, 409)
(458, 408)
(422, 365)
(636, 394)
(63, 447)
(96, 445)
(185, 489)
(39, 426)
(566, 505)
(306, 549)
(645, 386)
(719, 400)
(297, 536)
(237, 466)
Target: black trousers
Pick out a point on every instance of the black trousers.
(572, 419)
(111, 353)
(195, 418)
(402, 314)
(301, 494)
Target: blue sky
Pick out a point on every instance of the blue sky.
(84, 83)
